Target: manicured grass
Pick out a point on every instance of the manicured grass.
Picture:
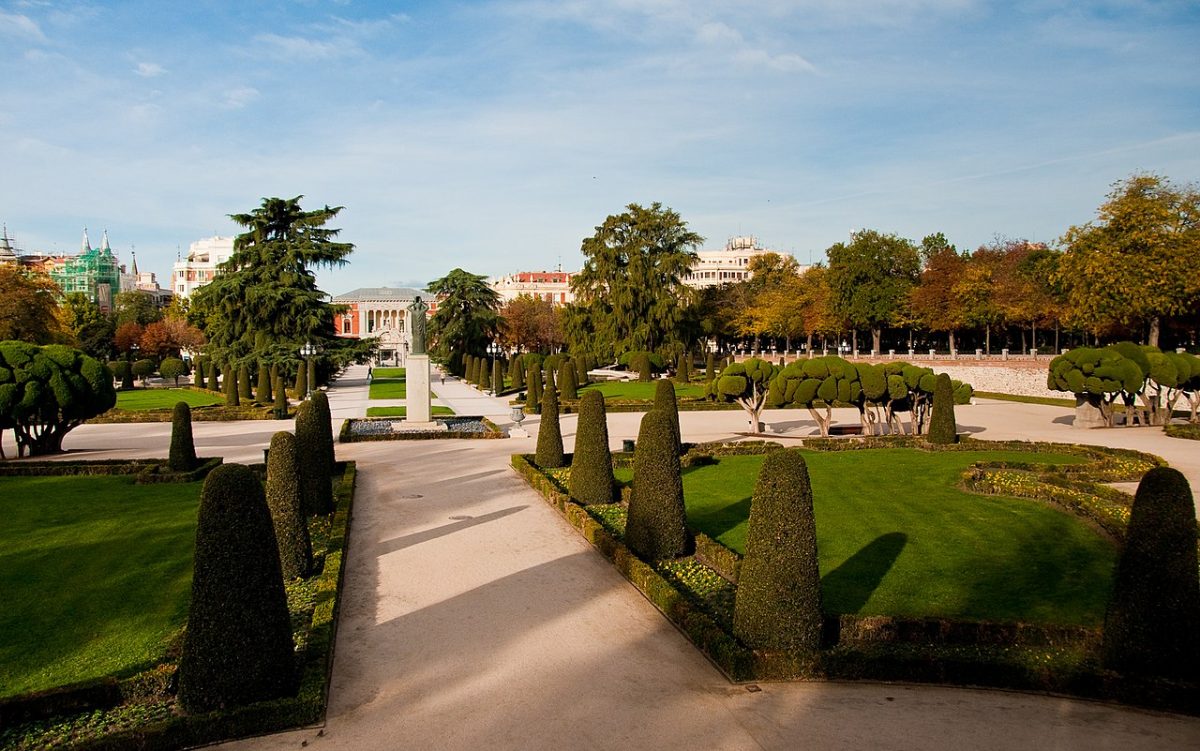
(387, 373)
(403, 411)
(95, 575)
(1046, 400)
(897, 537)
(636, 390)
(143, 399)
(388, 388)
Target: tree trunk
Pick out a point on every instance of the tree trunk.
(853, 341)
(987, 337)
(1155, 324)
(877, 339)
(951, 340)
(911, 333)
(1056, 349)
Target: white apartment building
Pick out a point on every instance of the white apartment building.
(553, 286)
(729, 265)
(200, 266)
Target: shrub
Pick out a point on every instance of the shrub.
(516, 373)
(1154, 613)
(942, 427)
(710, 368)
(301, 381)
(320, 402)
(549, 441)
(591, 479)
(778, 600)
(244, 390)
(315, 481)
(238, 645)
(182, 457)
(534, 399)
(143, 369)
(567, 383)
(287, 511)
(263, 387)
(172, 368)
(664, 399)
(213, 385)
(656, 527)
(581, 371)
(229, 387)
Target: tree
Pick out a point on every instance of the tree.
(665, 401)
(28, 306)
(532, 324)
(169, 337)
(287, 506)
(549, 441)
(630, 294)
(314, 446)
(942, 426)
(1135, 264)
(172, 367)
(656, 526)
(977, 291)
(88, 327)
(46, 392)
(591, 479)
(182, 454)
(237, 648)
(777, 605)
(135, 307)
(933, 299)
(746, 383)
(870, 277)
(466, 319)
(264, 303)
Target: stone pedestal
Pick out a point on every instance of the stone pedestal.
(416, 400)
(1088, 414)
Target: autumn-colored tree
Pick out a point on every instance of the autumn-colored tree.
(1023, 291)
(933, 300)
(167, 337)
(1135, 264)
(28, 307)
(815, 303)
(533, 324)
(128, 334)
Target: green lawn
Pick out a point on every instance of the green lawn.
(636, 390)
(143, 399)
(388, 373)
(403, 411)
(897, 537)
(388, 388)
(95, 575)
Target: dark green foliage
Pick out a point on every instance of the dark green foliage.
(591, 479)
(657, 523)
(281, 403)
(664, 400)
(213, 384)
(1153, 615)
(497, 378)
(229, 387)
(778, 601)
(244, 390)
(143, 368)
(710, 368)
(263, 387)
(286, 504)
(942, 427)
(301, 381)
(642, 365)
(182, 456)
(238, 645)
(467, 318)
(1101, 372)
(549, 441)
(566, 381)
(581, 371)
(533, 401)
(313, 452)
(172, 367)
(516, 373)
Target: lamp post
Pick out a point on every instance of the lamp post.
(405, 364)
(308, 351)
(494, 349)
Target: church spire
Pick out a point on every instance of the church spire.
(104, 246)
(134, 262)
(86, 245)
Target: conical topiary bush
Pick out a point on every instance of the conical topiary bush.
(213, 383)
(591, 479)
(656, 526)
(549, 440)
(533, 400)
(287, 509)
(301, 381)
(244, 390)
(263, 387)
(320, 402)
(315, 479)
(1153, 616)
(778, 600)
(238, 647)
(710, 368)
(497, 378)
(182, 455)
(942, 427)
(230, 386)
(664, 400)
(566, 378)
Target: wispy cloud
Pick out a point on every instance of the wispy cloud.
(149, 70)
(21, 27)
(240, 97)
(296, 48)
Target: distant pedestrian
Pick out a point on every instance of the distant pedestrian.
(370, 373)
(442, 375)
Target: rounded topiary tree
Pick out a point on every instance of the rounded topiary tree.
(549, 441)
(664, 399)
(656, 527)
(172, 367)
(942, 427)
(315, 479)
(1153, 615)
(591, 479)
(778, 600)
(182, 456)
(287, 510)
(567, 384)
(143, 369)
(237, 648)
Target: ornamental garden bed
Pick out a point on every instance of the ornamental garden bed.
(155, 405)
(96, 583)
(923, 577)
(359, 429)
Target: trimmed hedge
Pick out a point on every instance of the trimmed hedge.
(182, 455)
(244, 390)
(778, 602)
(238, 646)
(313, 457)
(567, 380)
(664, 400)
(1153, 615)
(591, 479)
(942, 426)
(549, 440)
(657, 525)
(287, 507)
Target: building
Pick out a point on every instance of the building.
(200, 266)
(145, 282)
(731, 264)
(553, 286)
(380, 312)
(94, 272)
(8, 253)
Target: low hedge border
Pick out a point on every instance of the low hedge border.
(1190, 431)
(148, 471)
(1059, 660)
(492, 432)
(167, 731)
(215, 413)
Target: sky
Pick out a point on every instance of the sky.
(495, 136)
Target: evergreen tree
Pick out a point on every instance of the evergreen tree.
(591, 479)
(497, 378)
(230, 386)
(534, 399)
(264, 384)
(287, 507)
(281, 401)
(942, 427)
(467, 318)
(566, 376)
(182, 455)
(213, 384)
(664, 401)
(656, 527)
(244, 390)
(549, 441)
(316, 484)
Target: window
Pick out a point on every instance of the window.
(345, 325)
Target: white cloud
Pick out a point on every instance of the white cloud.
(149, 70)
(16, 26)
(297, 48)
(240, 97)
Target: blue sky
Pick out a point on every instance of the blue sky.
(494, 136)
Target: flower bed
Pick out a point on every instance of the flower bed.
(358, 429)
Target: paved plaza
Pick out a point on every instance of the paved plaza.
(474, 617)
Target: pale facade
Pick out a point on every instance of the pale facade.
(200, 265)
(729, 265)
(553, 286)
(382, 313)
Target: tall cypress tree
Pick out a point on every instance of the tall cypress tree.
(591, 479)
(549, 441)
(664, 400)
(656, 526)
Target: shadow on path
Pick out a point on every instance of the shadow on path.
(416, 538)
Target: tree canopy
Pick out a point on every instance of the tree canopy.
(28, 306)
(467, 318)
(870, 278)
(532, 324)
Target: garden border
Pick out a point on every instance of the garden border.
(345, 436)
(148, 471)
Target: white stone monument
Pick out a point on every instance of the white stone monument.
(416, 375)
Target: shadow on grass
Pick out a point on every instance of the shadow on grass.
(847, 588)
(717, 522)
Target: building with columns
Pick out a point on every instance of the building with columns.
(382, 313)
(729, 265)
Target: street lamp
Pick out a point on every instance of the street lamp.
(405, 355)
(309, 350)
(494, 349)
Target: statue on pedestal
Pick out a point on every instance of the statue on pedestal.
(417, 311)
